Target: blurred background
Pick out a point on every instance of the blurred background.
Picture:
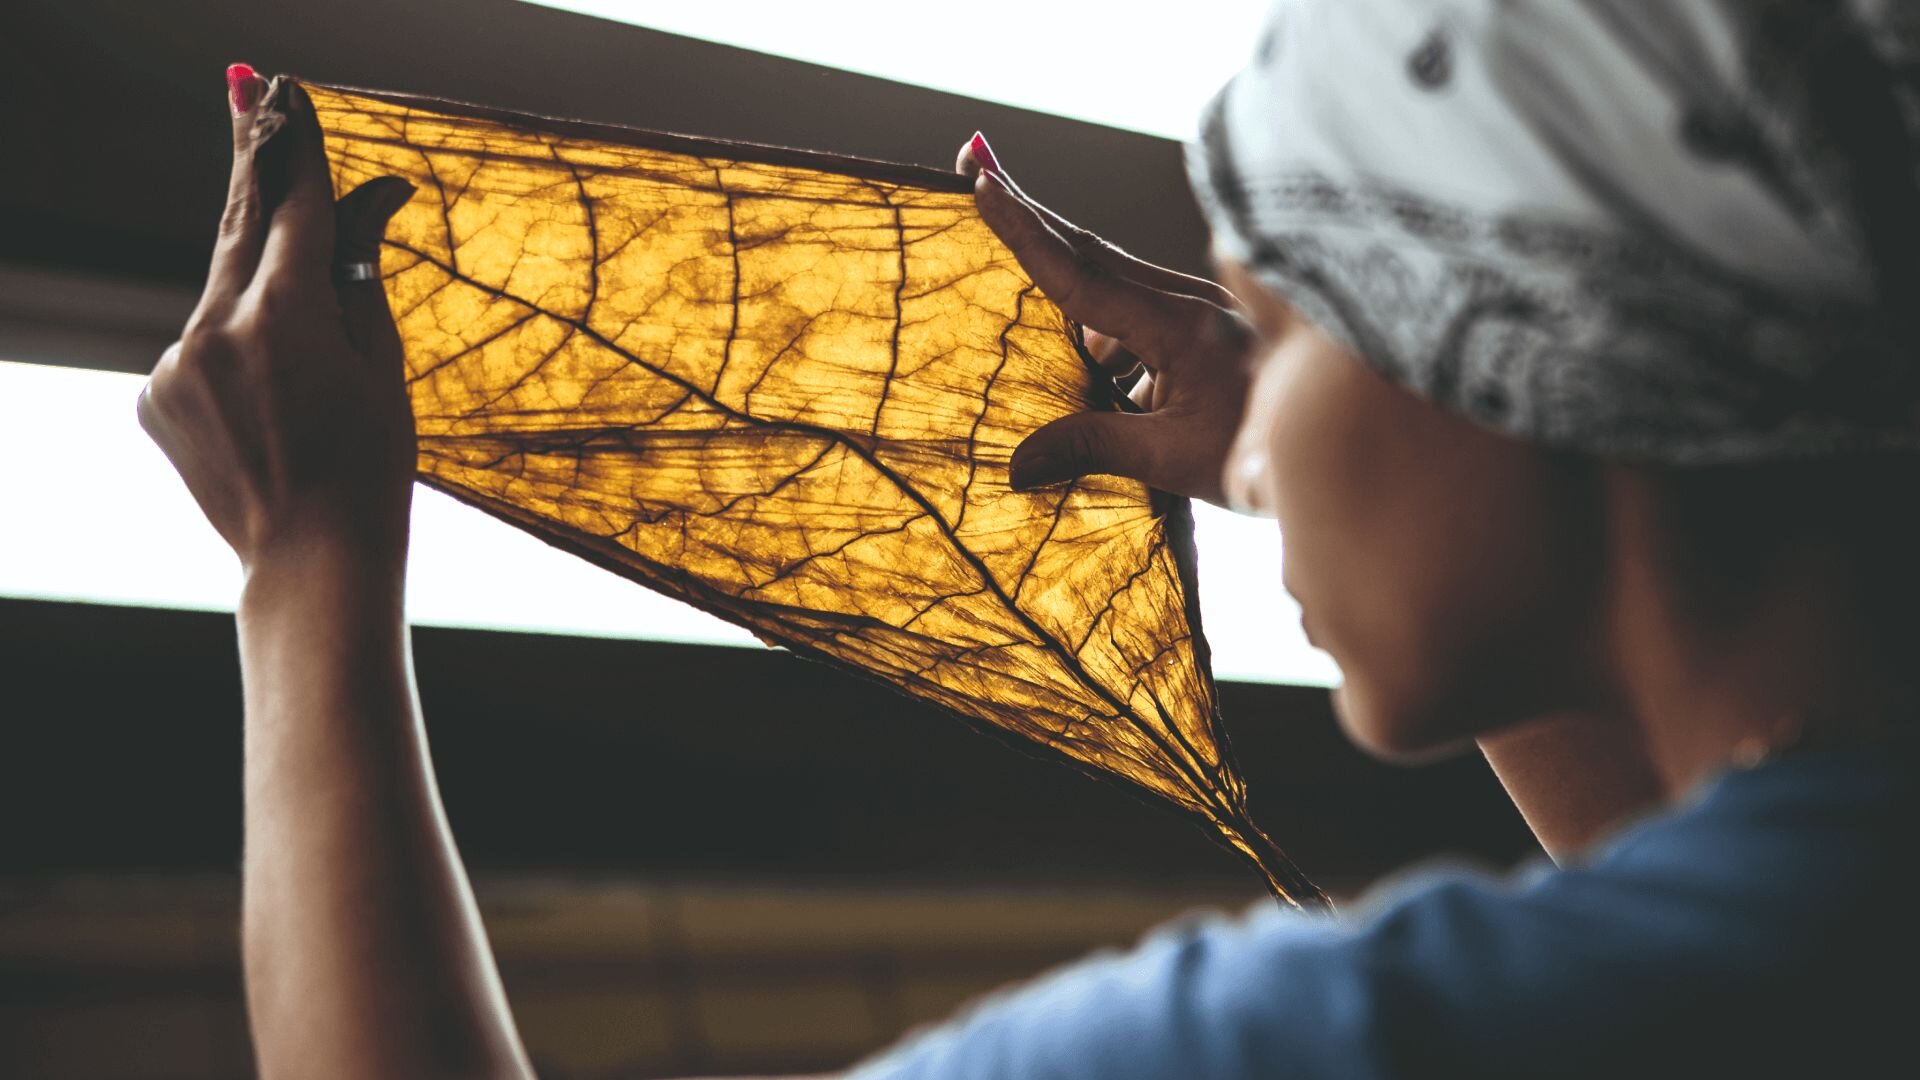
(694, 854)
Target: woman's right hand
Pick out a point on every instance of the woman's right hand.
(283, 405)
(1191, 335)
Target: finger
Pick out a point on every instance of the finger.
(976, 156)
(1118, 444)
(1114, 358)
(297, 189)
(360, 220)
(976, 159)
(1114, 260)
(236, 250)
(1151, 323)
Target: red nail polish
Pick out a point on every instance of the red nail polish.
(983, 153)
(243, 86)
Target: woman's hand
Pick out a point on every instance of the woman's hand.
(1191, 335)
(285, 409)
(283, 404)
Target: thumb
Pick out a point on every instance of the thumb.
(361, 216)
(360, 220)
(1112, 443)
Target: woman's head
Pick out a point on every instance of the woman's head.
(1452, 572)
(1524, 296)
(1467, 581)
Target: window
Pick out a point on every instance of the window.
(95, 514)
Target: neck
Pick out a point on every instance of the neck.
(1732, 639)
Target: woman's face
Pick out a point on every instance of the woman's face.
(1451, 572)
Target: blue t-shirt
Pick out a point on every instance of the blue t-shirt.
(1763, 928)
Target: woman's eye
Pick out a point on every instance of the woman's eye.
(1263, 353)
(1248, 481)
(1247, 474)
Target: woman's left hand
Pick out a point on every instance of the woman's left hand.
(283, 404)
(1190, 335)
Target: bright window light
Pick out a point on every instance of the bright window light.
(1142, 66)
(94, 513)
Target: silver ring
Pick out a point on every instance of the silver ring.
(348, 273)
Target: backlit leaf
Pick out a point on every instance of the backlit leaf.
(784, 388)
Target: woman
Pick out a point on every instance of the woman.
(1572, 347)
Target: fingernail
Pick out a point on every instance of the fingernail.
(243, 88)
(983, 153)
(283, 96)
(1034, 471)
(401, 194)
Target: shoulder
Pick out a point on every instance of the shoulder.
(1693, 941)
(1704, 932)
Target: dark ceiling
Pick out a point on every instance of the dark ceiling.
(115, 139)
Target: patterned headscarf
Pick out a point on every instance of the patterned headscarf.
(1684, 231)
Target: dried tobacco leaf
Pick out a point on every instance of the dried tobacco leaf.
(784, 387)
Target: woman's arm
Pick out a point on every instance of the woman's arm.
(364, 951)
(283, 409)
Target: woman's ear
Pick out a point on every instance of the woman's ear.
(1270, 313)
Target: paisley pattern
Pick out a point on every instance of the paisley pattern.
(1686, 232)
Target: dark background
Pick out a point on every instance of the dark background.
(558, 751)
(116, 141)
(576, 754)
(569, 759)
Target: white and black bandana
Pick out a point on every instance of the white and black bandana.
(1684, 231)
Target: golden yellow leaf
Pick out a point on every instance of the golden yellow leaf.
(784, 387)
